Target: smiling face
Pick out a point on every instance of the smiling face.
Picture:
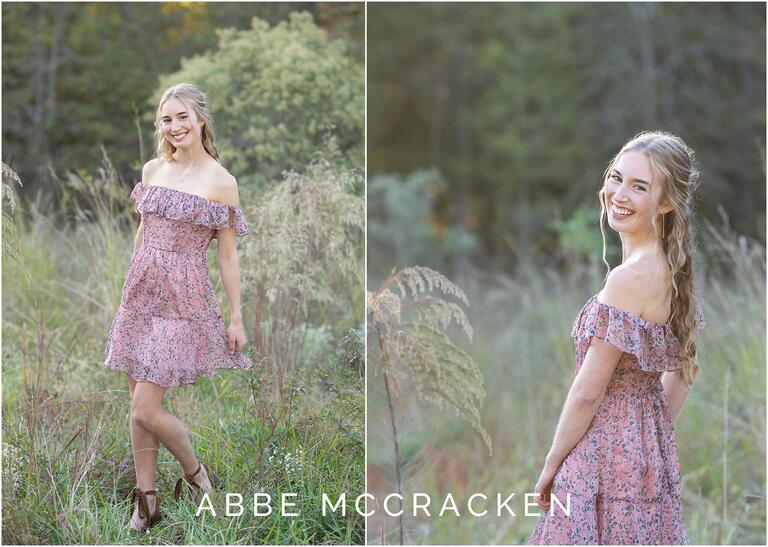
(632, 194)
(180, 124)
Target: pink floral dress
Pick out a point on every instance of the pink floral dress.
(623, 476)
(169, 329)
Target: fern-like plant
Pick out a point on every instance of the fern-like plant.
(10, 243)
(409, 325)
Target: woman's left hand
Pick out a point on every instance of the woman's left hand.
(236, 335)
(544, 486)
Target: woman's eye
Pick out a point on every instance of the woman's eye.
(615, 177)
(640, 187)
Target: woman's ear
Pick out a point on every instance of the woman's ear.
(665, 207)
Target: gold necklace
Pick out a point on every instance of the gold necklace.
(185, 172)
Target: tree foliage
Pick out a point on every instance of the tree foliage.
(403, 227)
(80, 76)
(275, 92)
(520, 107)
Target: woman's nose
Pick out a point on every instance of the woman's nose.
(620, 194)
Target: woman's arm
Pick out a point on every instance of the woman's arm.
(229, 266)
(622, 290)
(584, 397)
(676, 392)
(588, 388)
(147, 171)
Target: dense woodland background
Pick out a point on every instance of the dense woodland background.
(519, 107)
(81, 76)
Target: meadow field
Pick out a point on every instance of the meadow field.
(522, 346)
(282, 427)
(489, 131)
(285, 85)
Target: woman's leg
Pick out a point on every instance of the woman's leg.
(145, 450)
(148, 413)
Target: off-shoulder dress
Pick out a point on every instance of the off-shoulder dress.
(169, 329)
(623, 476)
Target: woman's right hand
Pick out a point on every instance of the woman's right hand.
(544, 486)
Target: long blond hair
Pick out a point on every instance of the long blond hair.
(195, 99)
(671, 162)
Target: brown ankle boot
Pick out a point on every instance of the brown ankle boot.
(195, 490)
(140, 496)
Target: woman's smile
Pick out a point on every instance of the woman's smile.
(629, 184)
(620, 213)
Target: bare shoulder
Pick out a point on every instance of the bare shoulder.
(224, 188)
(149, 169)
(640, 287)
(625, 288)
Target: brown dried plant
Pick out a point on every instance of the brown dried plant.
(410, 329)
(304, 264)
(10, 237)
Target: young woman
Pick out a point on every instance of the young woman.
(614, 449)
(169, 329)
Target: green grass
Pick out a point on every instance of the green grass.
(523, 348)
(67, 461)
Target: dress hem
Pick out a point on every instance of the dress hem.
(116, 366)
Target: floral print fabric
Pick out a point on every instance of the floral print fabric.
(169, 329)
(623, 476)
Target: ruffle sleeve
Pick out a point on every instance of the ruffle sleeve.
(183, 206)
(654, 345)
(136, 194)
(233, 218)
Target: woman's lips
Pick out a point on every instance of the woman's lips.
(621, 213)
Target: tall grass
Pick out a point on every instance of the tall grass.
(526, 356)
(67, 461)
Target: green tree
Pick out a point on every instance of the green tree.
(520, 106)
(76, 76)
(275, 93)
(402, 226)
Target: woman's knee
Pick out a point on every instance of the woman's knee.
(142, 414)
(146, 404)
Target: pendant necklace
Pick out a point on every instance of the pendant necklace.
(185, 172)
